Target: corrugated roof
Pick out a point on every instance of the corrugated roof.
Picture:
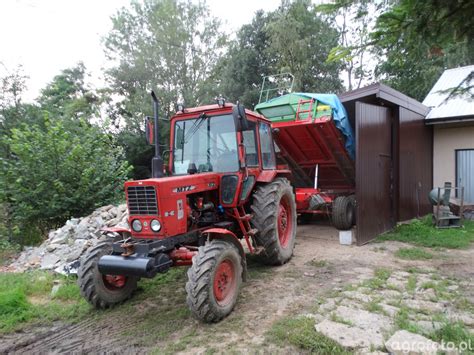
(458, 105)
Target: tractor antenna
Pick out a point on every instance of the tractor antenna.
(157, 161)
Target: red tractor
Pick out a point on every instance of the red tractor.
(224, 187)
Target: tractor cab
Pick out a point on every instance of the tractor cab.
(227, 140)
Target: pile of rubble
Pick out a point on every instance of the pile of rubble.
(64, 247)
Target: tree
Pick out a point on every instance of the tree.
(240, 72)
(293, 38)
(169, 46)
(354, 21)
(301, 40)
(13, 113)
(420, 39)
(56, 173)
(67, 95)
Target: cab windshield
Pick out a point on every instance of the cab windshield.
(208, 143)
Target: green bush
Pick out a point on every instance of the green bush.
(59, 171)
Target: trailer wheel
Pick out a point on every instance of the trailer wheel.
(214, 281)
(343, 212)
(274, 211)
(103, 291)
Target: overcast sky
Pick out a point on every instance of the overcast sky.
(46, 36)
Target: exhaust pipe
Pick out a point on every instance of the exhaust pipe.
(133, 265)
(157, 161)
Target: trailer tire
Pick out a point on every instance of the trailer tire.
(103, 291)
(343, 212)
(214, 281)
(274, 216)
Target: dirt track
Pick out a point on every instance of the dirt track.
(157, 318)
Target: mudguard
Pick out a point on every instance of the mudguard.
(227, 235)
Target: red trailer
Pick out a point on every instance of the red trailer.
(314, 139)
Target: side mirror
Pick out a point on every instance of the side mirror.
(149, 130)
(240, 118)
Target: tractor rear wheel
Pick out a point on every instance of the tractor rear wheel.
(214, 281)
(103, 291)
(343, 210)
(274, 215)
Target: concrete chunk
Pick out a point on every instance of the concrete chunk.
(404, 342)
(349, 337)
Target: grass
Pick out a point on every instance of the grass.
(318, 263)
(413, 254)
(456, 333)
(402, 321)
(379, 280)
(26, 298)
(421, 232)
(411, 284)
(300, 332)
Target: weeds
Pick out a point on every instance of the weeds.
(379, 280)
(413, 254)
(300, 332)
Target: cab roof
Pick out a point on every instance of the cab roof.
(191, 111)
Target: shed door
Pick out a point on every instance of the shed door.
(373, 171)
(465, 173)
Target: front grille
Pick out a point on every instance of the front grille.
(142, 200)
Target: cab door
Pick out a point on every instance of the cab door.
(236, 188)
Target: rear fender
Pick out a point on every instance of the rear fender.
(228, 236)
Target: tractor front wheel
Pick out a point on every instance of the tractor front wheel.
(214, 281)
(274, 215)
(103, 291)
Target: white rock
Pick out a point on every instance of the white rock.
(51, 247)
(329, 305)
(49, 262)
(429, 326)
(349, 337)
(364, 319)
(396, 282)
(403, 342)
(421, 305)
(357, 296)
(390, 310)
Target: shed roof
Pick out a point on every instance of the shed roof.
(445, 103)
(377, 92)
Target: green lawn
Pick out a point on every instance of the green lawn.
(413, 254)
(26, 298)
(421, 232)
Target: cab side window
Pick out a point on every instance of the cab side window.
(250, 143)
(266, 146)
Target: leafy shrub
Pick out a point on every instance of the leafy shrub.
(59, 171)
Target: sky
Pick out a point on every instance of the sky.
(46, 36)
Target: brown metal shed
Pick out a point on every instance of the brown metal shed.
(393, 158)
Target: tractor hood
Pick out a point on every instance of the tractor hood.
(164, 200)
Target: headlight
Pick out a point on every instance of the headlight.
(155, 225)
(137, 225)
